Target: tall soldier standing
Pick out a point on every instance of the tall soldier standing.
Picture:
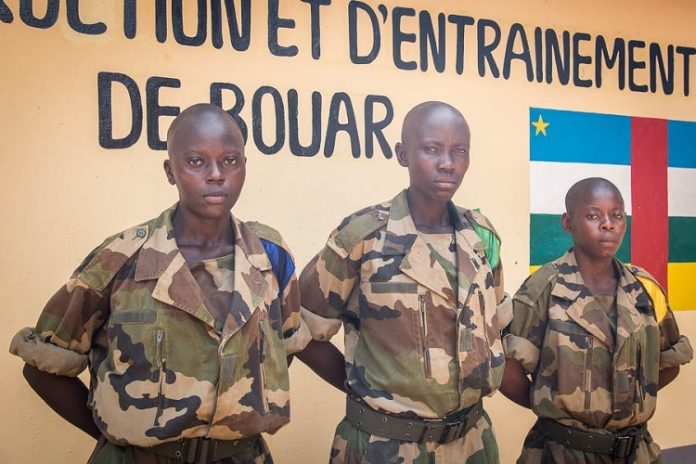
(417, 284)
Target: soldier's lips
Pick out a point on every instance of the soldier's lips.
(445, 184)
(215, 198)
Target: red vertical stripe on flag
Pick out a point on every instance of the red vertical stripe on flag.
(649, 221)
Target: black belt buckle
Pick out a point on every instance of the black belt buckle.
(430, 429)
(623, 446)
(189, 450)
(452, 431)
(195, 450)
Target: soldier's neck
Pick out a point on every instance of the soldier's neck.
(599, 275)
(200, 239)
(428, 216)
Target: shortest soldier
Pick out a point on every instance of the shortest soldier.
(598, 339)
(184, 321)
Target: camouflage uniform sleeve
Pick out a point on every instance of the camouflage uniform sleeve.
(491, 240)
(63, 335)
(524, 336)
(675, 348)
(504, 308)
(296, 334)
(328, 281)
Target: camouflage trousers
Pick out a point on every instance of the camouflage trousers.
(353, 446)
(538, 449)
(109, 453)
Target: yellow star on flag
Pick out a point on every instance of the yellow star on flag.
(540, 125)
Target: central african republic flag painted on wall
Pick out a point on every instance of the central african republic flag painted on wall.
(652, 162)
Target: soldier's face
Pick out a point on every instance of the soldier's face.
(207, 165)
(436, 152)
(597, 223)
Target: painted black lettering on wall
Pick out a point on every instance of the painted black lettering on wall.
(240, 35)
(155, 111)
(105, 83)
(275, 22)
(420, 40)
(42, 21)
(300, 122)
(315, 25)
(6, 15)
(76, 23)
(217, 90)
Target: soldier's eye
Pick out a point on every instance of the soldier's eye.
(195, 162)
(229, 161)
(592, 216)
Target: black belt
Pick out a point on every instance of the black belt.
(201, 450)
(621, 444)
(414, 429)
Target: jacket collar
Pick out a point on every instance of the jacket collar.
(402, 238)
(161, 260)
(583, 309)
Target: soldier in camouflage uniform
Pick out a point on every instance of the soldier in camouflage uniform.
(597, 338)
(416, 283)
(184, 321)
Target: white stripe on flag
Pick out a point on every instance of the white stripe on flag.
(549, 182)
(682, 191)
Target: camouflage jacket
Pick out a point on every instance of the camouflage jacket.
(583, 374)
(411, 344)
(161, 367)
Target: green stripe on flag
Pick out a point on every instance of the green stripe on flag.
(548, 240)
(682, 239)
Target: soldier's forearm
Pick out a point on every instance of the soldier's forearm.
(65, 395)
(326, 361)
(515, 385)
(667, 375)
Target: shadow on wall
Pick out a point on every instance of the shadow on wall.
(679, 455)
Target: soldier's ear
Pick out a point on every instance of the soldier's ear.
(168, 171)
(565, 223)
(401, 157)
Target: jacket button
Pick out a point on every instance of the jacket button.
(140, 233)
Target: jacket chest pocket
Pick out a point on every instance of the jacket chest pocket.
(272, 366)
(570, 360)
(477, 343)
(394, 321)
(413, 325)
(137, 359)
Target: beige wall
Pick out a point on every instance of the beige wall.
(62, 193)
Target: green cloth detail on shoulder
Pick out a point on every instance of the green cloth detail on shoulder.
(488, 236)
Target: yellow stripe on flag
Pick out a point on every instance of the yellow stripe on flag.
(681, 286)
(681, 281)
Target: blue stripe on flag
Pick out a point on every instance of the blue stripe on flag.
(681, 144)
(575, 137)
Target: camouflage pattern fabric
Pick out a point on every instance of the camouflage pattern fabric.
(583, 374)
(252, 451)
(412, 345)
(162, 366)
(353, 446)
